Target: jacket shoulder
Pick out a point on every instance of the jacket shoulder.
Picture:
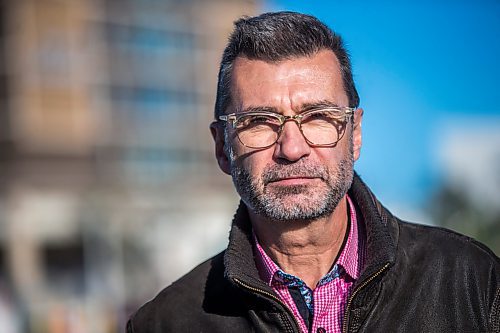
(444, 274)
(451, 256)
(442, 242)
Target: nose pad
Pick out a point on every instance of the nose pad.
(295, 128)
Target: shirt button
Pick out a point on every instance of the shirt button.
(320, 330)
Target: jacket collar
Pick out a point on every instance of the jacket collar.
(379, 226)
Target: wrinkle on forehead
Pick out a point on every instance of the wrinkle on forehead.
(287, 85)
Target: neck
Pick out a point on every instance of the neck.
(306, 249)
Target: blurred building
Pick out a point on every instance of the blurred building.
(107, 175)
(469, 156)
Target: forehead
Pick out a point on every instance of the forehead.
(287, 85)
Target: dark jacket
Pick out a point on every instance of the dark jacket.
(415, 279)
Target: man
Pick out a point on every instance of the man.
(311, 249)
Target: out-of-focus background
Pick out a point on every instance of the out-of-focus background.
(109, 190)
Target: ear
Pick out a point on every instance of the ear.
(356, 133)
(218, 135)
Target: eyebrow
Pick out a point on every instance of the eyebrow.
(304, 107)
(259, 109)
(318, 105)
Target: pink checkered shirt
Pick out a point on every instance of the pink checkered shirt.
(330, 296)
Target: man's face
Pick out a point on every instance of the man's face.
(290, 180)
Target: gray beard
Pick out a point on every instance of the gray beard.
(316, 202)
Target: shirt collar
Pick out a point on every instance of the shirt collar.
(349, 259)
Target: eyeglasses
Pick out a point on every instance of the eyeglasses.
(261, 129)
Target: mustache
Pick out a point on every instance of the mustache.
(276, 172)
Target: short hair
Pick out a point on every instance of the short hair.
(280, 36)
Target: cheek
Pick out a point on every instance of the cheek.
(331, 157)
(254, 162)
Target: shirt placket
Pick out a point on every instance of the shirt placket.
(307, 294)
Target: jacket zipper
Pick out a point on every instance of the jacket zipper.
(263, 292)
(346, 314)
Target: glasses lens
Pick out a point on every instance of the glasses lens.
(257, 131)
(324, 127)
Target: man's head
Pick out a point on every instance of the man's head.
(290, 65)
(279, 36)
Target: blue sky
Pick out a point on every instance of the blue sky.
(417, 66)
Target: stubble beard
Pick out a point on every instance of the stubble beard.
(293, 202)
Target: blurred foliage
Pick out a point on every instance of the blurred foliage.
(453, 209)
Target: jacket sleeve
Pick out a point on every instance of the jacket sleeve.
(495, 312)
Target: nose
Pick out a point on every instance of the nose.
(291, 145)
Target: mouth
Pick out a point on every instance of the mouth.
(295, 180)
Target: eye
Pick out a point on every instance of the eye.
(318, 115)
(323, 119)
(253, 121)
(322, 116)
(260, 119)
(327, 114)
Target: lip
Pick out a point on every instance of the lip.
(293, 181)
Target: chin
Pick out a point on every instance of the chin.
(295, 208)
